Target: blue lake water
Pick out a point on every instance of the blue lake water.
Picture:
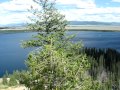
(12, 56)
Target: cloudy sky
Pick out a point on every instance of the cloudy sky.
(16, 11)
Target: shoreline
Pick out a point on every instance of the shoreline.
(76, 28)
(93, 28)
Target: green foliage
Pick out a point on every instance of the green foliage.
(16, 74)
(61, 69)
(12, 81)
(46, 21)
(4, 80)
(57, 63)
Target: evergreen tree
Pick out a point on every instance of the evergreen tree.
(57, 64)
(47, 22)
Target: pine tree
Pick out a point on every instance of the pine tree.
(57, 64)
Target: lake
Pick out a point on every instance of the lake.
(12, 56)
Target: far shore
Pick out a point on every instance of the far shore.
(93, 28)
(76, 28)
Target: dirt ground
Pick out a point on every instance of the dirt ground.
(16, 88)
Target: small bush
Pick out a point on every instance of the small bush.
(4, 80)
(12, 81)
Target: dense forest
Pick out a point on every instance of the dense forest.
(105, 66)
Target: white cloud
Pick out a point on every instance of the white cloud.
(115, 0)
(17, 5)
(91, 13)
(15, 11)
(78, 3)
(14, 18)
(107, 14)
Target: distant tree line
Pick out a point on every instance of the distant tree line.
(4, 27)
(110, 56)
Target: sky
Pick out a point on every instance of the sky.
(16, 11)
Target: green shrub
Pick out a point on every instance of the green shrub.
(12, 81)
(57, 63)
(4, 80)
